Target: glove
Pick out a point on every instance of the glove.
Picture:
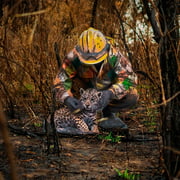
(107, 97)
(73, 104)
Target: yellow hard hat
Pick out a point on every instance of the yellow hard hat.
(92, 47)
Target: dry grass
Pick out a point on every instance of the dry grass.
(28, 65)
(29, 31)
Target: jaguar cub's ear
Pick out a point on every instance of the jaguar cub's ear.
(99, 94)
(81, 91)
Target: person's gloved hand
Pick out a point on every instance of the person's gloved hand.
(107, 97)
(73, 104)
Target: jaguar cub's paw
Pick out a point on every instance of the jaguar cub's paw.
(69, 130)
(95, 129)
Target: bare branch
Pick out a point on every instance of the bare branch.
(156, 105)
(123, 32)
(94, 13)
(152, 15)
(33, 13)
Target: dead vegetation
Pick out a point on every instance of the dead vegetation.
(28, 65)
(28, 34)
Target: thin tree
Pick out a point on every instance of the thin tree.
(8, 145)
(163, 18)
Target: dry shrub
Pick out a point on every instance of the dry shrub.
(28, 63)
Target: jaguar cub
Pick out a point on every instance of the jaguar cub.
(84, 121)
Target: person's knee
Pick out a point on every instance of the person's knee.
(125, 103)
(133, 99)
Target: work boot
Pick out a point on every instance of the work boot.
(114, 123)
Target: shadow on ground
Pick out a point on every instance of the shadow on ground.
(86, 158)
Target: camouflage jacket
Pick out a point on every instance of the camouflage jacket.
(115, 74)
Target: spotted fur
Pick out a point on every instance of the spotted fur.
(84, 121)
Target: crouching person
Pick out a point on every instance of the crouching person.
(97, 63)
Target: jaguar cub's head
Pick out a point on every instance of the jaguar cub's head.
(90, 98)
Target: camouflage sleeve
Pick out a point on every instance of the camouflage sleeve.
(63, 80)
(126, 79)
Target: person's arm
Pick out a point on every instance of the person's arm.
(126, 78)
(63, 80)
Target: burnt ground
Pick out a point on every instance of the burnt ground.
(87, 157)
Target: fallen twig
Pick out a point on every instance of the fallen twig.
(21, 131)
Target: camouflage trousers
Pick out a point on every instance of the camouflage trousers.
(122, 105)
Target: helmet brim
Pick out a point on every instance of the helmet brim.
(92, 58)
(92, 61)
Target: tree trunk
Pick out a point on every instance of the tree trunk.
(166, 34)
(169, 69)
